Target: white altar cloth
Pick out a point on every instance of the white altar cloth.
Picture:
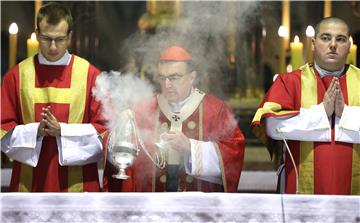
(177, 207)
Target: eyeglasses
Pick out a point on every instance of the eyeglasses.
(172, 78)
(48, 40)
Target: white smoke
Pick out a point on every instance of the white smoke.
(203, 29)
(118, 92)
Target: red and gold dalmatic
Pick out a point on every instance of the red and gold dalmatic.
(211, 121)
(26, 89)
(324, 167)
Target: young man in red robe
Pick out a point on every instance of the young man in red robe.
(203, 145)
(50, 122)
(316, 108)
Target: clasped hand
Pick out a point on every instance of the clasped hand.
(49, 126)
(333, 99)
(177, 140)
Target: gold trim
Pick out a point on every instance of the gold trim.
(27, 85)
(25, 181)
(3, 133)
(355, 176)
(306, 168)
(102, 135)
(186, 111)
(306, 165)
(79, 76)
(271, 108)
(26, 78)
(352, 81)
(75, 178)
(201, 114)
(75, 96)
(153, 180)
(198, 159)
(156, 134)
(223, 177)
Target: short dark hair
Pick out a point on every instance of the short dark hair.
(54, 12)
(330, 19)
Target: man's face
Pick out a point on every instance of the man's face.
(175, 80)
(53, 39)
(331, 46)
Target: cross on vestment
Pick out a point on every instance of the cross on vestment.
(175, 117)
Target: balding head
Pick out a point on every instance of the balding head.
(331, 44)
(328, 20)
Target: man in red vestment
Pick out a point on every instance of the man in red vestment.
(316, 108)
(199, 145)
(50, 122)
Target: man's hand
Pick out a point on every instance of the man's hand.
(41, 129)
(52, 125)
(339, 103)
(178, 141)
(329, 97)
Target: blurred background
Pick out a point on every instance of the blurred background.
(239, 46)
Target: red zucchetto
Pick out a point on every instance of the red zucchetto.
(175, 53)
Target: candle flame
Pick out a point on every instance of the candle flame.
(351, 41)
(310, 32)
(13, 29)
(282, 31)
(289, 68)
(296, 39)
(33, 36)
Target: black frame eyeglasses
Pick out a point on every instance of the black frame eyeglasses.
(48, 40)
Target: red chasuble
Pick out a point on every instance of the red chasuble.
(211, 121)
(26, 89)
(324, 167)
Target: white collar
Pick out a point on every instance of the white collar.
(324, 73)
(176, 106)
(64, 60)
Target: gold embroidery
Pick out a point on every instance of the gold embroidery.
(164, 126)
(163, 179)
(191, 125)
(189, 179)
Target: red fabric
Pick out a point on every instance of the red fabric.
(218, 126)
(48, 175)
(175, 53)
(332, 160)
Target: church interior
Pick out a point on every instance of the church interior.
(240, 45)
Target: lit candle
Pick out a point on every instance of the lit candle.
(282, 32)
(351, 58)
(13, 30)
(32, 45)
(296, 50)
(310, 33)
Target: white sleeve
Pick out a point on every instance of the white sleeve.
(79, 144)
(347, 128)
(22, 144)
(309, 125)
(203, 162)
